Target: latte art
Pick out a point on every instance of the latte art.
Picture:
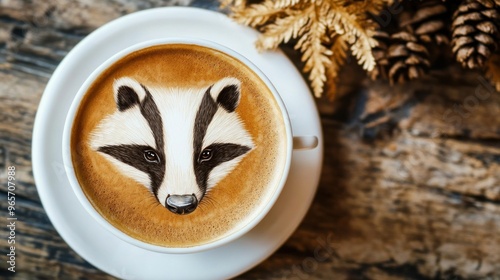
(178, 143)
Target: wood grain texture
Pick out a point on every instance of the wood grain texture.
(410, 187)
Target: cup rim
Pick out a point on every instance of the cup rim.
(85, 202)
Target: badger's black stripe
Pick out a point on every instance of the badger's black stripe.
(228, 98)
(221, 152)
(133, 155)
(152, 115)
(204, 116)
(126, 98)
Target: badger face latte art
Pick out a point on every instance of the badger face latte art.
(179, 145)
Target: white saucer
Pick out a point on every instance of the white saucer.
(111, 254)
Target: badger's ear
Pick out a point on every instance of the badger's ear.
(226, 93)
(128, 92)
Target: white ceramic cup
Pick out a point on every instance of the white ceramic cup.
(292, 142)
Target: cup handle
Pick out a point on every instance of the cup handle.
(305, 142)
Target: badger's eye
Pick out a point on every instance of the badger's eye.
(206, 155)
(151, 156)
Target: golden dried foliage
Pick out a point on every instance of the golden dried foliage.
(493, 71)
(324, 31)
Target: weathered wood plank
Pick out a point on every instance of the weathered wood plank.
(80, 16)
(40, 251)
(371, 221)
(19, 97)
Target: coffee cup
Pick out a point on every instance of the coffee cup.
(178, 145)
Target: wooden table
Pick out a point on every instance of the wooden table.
(410, 187)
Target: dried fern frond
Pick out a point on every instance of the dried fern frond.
(282, 30)
(493, 71)
(256, 14)
(338, 55)
(324, 29)
(282, 4)
(232, 3)
(314, 53)
(370, 6)
(358, 36)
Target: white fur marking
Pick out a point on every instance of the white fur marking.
(131, 172)
(123, 128)
(178, 108)
(226, 128)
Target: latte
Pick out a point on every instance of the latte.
(178, 145)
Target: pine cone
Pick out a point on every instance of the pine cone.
(428, 22)
(408, 58)
(475, 32)
(493, 70)
(380, 55)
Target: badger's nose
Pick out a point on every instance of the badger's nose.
(181, 204)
